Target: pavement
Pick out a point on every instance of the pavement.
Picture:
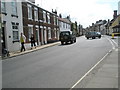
(104, 75)
(28, 50)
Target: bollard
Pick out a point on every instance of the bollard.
(112, 35)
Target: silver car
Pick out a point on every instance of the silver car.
(92, 35)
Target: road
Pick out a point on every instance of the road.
(60, 66)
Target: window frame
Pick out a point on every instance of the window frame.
(15, 28)
(30, 12)
(36, 13)
(44, 17)
(49, 33)
(48, 16)
(14, 8)
(3, 6)
(30, 31)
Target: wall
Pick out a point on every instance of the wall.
(8, 26)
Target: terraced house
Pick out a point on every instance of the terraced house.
(42, 23)
(28, 18)
(12, 24)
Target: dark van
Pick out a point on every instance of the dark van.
(67, 36)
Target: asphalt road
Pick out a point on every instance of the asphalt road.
(59, 66)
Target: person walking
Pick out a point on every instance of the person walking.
(22, 41)
(32, 39)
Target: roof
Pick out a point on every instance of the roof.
(64, 20)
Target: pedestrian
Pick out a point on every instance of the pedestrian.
(32, 39)
(22, 41)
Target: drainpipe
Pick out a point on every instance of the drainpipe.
(0, 32)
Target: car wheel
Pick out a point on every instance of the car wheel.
(93, 37)
(87, 37)
(71, 41)
(75, 40)
(62, 43)
(99, 37)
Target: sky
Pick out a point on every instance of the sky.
(85, 12)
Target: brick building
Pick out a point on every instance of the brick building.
(42, 23)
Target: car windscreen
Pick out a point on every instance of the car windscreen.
(64, 33)
(98, 33)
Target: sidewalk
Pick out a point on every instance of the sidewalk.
(104, 75)
(17, 53)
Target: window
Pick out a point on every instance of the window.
(30, 31)
(63, 25)
(44, 16)
(15, 31)
(49, 33)
(3, 7)
(66, 26)
(54, 20)
(48, 16)
(29, 11)
(57, 21)
(55, 31)
(60, 24)
(14, 7)
(36, 13)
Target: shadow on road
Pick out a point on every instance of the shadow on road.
(65, 44)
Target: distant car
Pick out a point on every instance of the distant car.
(67, 36)
(92, 35)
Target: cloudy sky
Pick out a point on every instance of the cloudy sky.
(84, 12)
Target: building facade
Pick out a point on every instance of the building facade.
(64, 24)
(12, 24)
(42, 23)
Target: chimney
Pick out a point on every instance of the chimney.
(52, 10)
(33, 1)
(60, 15)
(115, 14)
(55, 12)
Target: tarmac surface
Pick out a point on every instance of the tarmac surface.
(103, 75)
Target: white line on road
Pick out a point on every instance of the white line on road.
(111, 43)
(113, 47)
(88, 71)
(115, 43)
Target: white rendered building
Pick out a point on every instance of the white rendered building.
(12, 24)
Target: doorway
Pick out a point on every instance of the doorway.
(3, 36)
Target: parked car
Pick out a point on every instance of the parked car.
(92, 35)
(67, 36)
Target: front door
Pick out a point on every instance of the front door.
(37, 37)
(45, 36)
(3, 37)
